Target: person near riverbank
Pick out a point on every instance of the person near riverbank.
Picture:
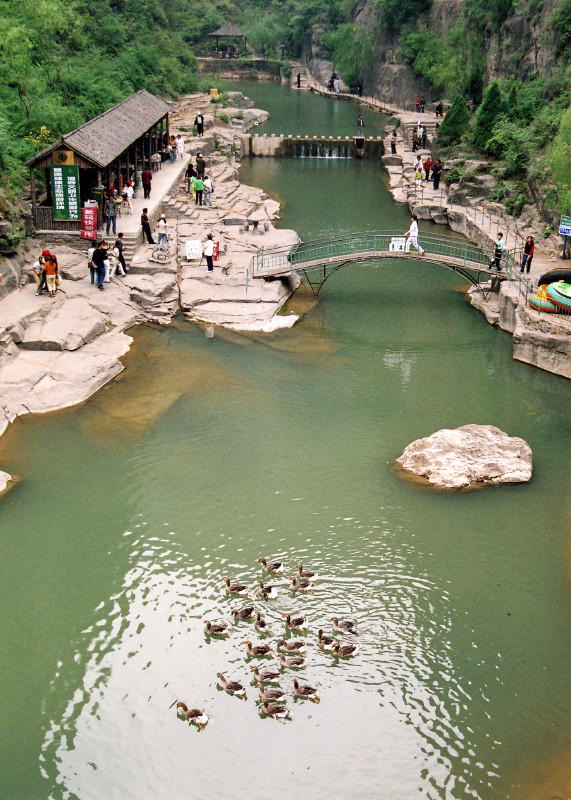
(418, 167)
(51, 273)
(162, 231)
(298, 79)
(499, 247)
(417, 104)
(414, 140)
(199, 122)
(427, 166)
(146, 226)
(437, 173)
(99, 258)
(198, 187)
(412, 234)
(394, 143)
(180, 147)
(208, 190)
(337, 85)
(422, 104)
(360, 124)
(423, 137)
(200, 166)
(360, 88)
(146, 178)
(118, 246)
(527, 257)
(208, 252)
(439, 110)
(110, 211)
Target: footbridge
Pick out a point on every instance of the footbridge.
(318, 259)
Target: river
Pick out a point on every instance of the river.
(207, 454)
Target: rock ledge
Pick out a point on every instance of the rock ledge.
(466, 457)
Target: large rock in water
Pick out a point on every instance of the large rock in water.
(470, 456)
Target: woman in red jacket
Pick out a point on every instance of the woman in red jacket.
(528, 249)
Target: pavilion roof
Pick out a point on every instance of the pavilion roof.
(104, 138)
(227, 30)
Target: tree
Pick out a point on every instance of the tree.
(492, 107)
(454, 123)
(559, 159)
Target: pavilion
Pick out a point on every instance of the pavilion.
(231, 37)
(106, 151)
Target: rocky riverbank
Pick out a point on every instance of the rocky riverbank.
(56, 353)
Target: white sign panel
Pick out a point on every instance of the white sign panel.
(193, 250)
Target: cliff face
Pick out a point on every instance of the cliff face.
(522, 45)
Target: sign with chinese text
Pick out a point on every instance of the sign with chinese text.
(89, 223)
(65, 193)
(565, 226)
(216, 252)
(193, 250)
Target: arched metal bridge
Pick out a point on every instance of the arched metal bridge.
(318, 259)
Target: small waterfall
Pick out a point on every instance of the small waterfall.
(322, 148)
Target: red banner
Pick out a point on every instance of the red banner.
(216, 252)
(89, 223)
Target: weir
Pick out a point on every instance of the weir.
(278, 145)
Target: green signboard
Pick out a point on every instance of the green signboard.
(565, 226)
(65, 193)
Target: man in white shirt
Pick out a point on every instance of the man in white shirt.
(208, 252)
(180, 149)
(412, 234)
(128, 193)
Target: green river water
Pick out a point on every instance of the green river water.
(204, 455)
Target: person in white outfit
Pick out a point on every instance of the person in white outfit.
(180, 148)
(162, 231)
(128, 193)
(208, 189)
(208, 252)
(412, 234)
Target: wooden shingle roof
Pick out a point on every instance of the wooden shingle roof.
(102, 139)
(227, 30)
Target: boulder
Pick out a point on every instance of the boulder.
(69, 325)
(5, 481)
(468, 457)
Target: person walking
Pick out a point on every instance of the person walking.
(337, 85)
(51, 272)
(99, 257)
(146, 178)
(110, 211)
(418, 172)
(360, 124)
(499, 247)
(436, 173)
(40, 272)
(208, 252)
(198, 186)
(298, 79)
(414, 140)
(162, 231)
(118, 246)
(527, 257)
(208, 189)
(146, 225)
(394, 143)
(427, 166)
(90, 264)
(199, 122)
(189, 175)
(128, 194)
(200, 166)
(417, 104)
(180, 147)
(423, 137)
(412, 234)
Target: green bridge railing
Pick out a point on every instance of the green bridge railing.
(320, 254)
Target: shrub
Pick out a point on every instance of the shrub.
(559, 159)
(454, 123)
(492, 106)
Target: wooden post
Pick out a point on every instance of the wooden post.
(33, 190)
(166, 119)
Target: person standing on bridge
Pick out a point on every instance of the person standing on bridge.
(412, 234)
(499, 247)
(360, 124)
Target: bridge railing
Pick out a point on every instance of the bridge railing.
(318, 253)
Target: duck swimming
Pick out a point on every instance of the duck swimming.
(235, 588)
(267, 592)
(345, 626)
(274, 567)
(261, 625)
(346, 650)
(215, 628)
(265, 675)
(195, 716)
(295, 623)
(325, 642)
(258, 649)
(305, 573)
(245, 613)
(293, 662)
(291, 646)
(274, 710)
(300, 584)
(272, 695)
(232, 687)
(305, 691)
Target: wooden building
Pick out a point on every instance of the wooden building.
(106, 151)
(229, 42)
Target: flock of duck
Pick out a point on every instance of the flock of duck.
(291, 652)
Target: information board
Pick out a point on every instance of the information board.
(565, 226)
(65, 193)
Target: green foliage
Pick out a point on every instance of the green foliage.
(474, 82)
(398, 13)
(486, 13)
(492, 107)
(351, 48)
(559, 160)
(265, 31)
(560, 22)
(455, 122)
